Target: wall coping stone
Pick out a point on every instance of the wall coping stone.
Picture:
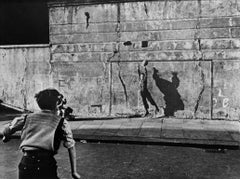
(24, 46)
(63, 3)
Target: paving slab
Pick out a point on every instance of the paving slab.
(150, 129)
(108, 129)
(197, 134)
(130, 128)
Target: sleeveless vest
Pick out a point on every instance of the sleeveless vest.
(40, 131)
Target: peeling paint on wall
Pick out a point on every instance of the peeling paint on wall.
(23, 72)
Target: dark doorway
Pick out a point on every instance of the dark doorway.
(24, 22)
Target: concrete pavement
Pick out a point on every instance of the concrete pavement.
(157, 130)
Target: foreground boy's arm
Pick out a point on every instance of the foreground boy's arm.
(72, 157)
(15, 125)
(69, 143)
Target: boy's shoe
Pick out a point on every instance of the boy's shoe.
(146, 114)
(158, 115)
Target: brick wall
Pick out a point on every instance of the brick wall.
(96, 48)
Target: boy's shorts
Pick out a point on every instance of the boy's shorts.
(37, 165)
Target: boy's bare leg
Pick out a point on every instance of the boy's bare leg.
(73, 161)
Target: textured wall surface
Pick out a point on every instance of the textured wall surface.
(96, 49)
(23, 72)
(196, 39)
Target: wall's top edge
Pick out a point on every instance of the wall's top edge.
(24, 46)
(89, 2)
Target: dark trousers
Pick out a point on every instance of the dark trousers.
(147, 96)
(37, 166)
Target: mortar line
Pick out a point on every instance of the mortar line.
(211, 100)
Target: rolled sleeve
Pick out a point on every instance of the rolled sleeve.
(68, 140)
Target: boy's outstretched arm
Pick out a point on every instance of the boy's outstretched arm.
(69, 143)
(15, 125)
(73, 161)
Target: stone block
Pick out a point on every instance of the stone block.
(213, 33)
(135, 11)
(94, 37)
(159, 35)
(235, 32)
(105, 27)
(235, 7)
(63, 29)
(60, 15)
(215, 22)
(178, 34)
(180, 9)
(176, 24)
(60, 29)
(76, 57)
(183, 24)
(207, 44)
(83, 70)
(236, 21)
(83, 47)
(221, 54)
(161, 45)
(97, 13)
(159, 24)
(60, 39)
(159, 55)
(216, 8)
(235, 43)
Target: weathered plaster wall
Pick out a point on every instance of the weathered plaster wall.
(83, 40)
(23, 72)
(197, 39)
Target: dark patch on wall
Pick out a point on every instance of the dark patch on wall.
(127, 43)
(146, 9)
(144, 44)
(24, 22)
(171, 97)
(87, 19)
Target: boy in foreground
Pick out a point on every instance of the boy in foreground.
(41, 135)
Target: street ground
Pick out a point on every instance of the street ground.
(131, 161)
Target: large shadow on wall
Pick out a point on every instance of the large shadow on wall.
(171, 97)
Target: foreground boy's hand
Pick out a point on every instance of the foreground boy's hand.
(75, 175)
(5, 139)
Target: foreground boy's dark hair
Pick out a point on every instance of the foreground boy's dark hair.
(46, 99)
